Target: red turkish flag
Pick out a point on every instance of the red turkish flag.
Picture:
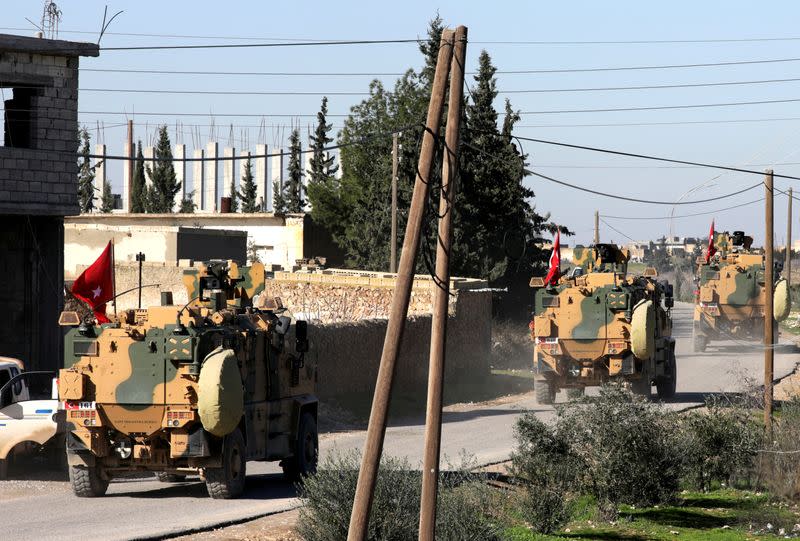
(711, 248)
(95, 286)
(555, 262)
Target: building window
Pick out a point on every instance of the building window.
(18, 116)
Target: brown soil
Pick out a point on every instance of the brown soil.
(277, 527)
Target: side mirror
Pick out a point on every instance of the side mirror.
(282, 325)
(669, 302)
(301, 336)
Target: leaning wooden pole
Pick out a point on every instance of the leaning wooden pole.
(376, 430)
(433, 418)
(769, 288)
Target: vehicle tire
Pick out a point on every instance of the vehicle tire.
(665, 385)
(699, 342)
(306, 451)
(3, 468)
(545, 391)
(228, 481)
(170, 477)
(576, 393)
(86, 481)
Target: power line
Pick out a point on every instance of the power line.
(691, 106)
(659, 107)
(634, 199)
(399, 74)
(487, 42)
(617, 230)
(614, 196)
(363, 93)
(648, 87)
(259, 45)
(648, 157)
(570, 166)
(675, 123)
(707, 213)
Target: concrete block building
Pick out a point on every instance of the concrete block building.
(38, 187)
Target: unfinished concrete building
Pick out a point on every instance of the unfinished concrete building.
(38, 187)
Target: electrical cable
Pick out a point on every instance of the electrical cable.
(659, 107)
(635, 200)
(490, 42)
(257, 45)
(707, 213)
(649, 157)
(400, 74)
(617, 230)
(366, 93)
(622, 197)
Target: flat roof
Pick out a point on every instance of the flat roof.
(56, 47)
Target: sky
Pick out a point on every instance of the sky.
(518, 36)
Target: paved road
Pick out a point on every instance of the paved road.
(136, 509)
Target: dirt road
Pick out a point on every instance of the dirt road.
(147, 509)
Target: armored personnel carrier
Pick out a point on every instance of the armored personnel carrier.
(199, 389)
(729, 299)
(597, 324)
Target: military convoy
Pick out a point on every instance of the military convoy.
(598, 324)
(199, 389)
(729, 295)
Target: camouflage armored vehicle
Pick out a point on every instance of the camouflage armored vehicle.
(729, 299)
(198, 389)
(598, 324)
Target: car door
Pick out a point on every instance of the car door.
(28, 412)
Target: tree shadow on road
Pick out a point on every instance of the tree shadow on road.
(268, 486)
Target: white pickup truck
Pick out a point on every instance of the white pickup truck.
(29, 413)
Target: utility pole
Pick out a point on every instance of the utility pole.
(393, 247)
(140, 259)
(769, 286)
(433, 417)
(787, 260)
(129, 165)
(376, 430)
(597, 227)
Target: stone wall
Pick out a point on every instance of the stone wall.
(348, 353)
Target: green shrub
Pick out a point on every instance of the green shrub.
(627, 447)
(546, 469)
(719, 444)
(616, 448)
(328, 501)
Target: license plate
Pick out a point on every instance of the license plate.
(80, 405)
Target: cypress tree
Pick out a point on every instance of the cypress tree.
(323, 169)
(86, 195)
(234, 196)
(294, 186)
(139, 189)
(107, 200)
(165, 185)
(248, 190)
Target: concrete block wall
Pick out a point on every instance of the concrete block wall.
(41, 177)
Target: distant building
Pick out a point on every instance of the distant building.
(38, 187)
